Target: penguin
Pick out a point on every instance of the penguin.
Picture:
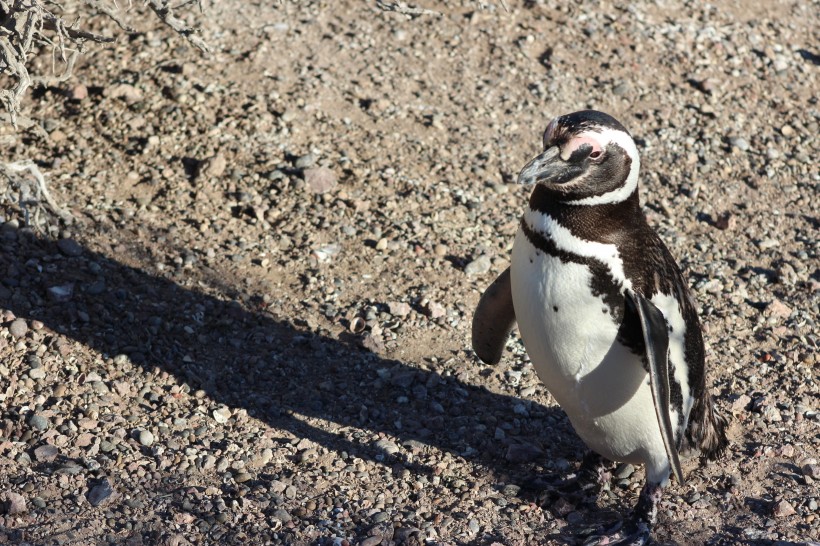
(604, 312)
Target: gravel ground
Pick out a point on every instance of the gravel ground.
(255, 329)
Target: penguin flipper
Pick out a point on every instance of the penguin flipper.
(656, 341)
(493, 319)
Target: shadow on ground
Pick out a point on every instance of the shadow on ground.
(277, 371)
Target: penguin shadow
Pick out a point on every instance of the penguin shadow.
(287, 374)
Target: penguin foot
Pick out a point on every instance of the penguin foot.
(637, 530)
(633, 534)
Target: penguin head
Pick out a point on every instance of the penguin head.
(589, 158)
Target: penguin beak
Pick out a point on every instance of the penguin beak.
(544, 166)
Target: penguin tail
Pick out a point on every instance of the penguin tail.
(707, 428)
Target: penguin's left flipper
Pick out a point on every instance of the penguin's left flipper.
(493, 320)
(656, 341)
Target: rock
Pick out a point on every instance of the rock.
(387, 446)
(372, 343)
(18, 328)
(124, 91)
(479, 266)
(12, 503)
(740, 143)
(399, 308)
(78, 92)
(725, 221)
(779, 309)
(811, 470)
(523, 453)
(222, 415)
(38, 422)
(101, 492)
(783, 509)
(320, 180)
(70, 247)
(61, 293)
(46, 453)
(434, 310)
(213, 167)
(281, 515)
(305, 161)
(146, 438)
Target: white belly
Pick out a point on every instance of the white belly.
(571, 340)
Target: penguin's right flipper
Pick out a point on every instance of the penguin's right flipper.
(493, 320)
(656, 340)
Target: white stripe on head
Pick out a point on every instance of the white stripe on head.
(566, 241)
(623, 140)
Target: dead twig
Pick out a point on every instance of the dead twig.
(166, 15)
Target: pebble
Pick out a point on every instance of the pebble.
(320, 180)
(740, 143)
(305, 161)
(70, 247)
(479, 266)
(101, 492)
(46, 453)
(213, 167)
(222, 415)
(146, 438)
(523, 453)
(812, 470)
(399, 308)
(12, 503)
(38, 422)
(624, 471)
(783, 509)
(18, 328)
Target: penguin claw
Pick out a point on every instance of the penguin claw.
(634, 535)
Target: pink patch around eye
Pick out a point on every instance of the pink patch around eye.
(576, 142)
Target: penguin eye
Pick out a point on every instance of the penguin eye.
(596, 154)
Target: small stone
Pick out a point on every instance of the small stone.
(511, 490)
(100, 493)
(435, 310)
(399, 308)
(787, 130)
(725, 221)
(372, 541)
(70, 247)
(78, 92)
(18, 328)
(146, 438)
(12, 503)
(387, 446)
(213, 167)
(766, 244)
(222, 415)
(46, 453)
(478, 266)
(61, 293)
(305, 161)
(621, 89)
(37, 373)
(740, 143)
(373, 343)
(281, 515)
(783, 509)
(624, 471)
(523, 453)
(320, 180)
(779, 309)
(242, 477)
(441, 250)
(811, 470)
(380, 517)
(38, 422)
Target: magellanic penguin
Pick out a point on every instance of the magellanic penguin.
(604, 312)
